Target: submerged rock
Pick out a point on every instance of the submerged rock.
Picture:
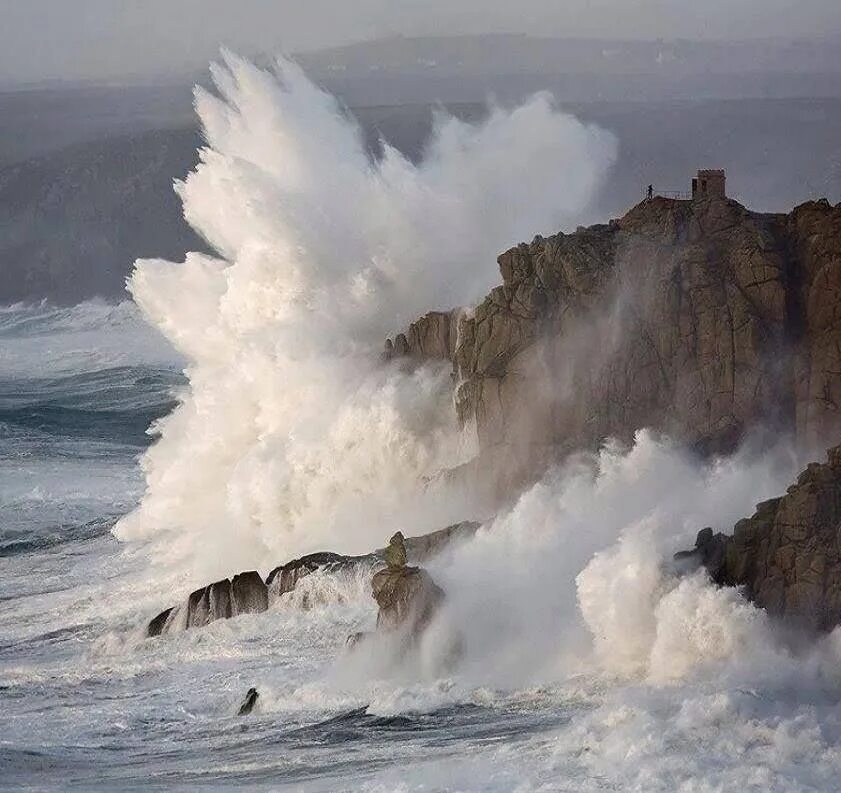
(285, 577)
(249, 702)
(356, 638)
(787, 556)
(159, 623)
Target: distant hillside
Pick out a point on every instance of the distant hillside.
(37, 121)
(466, 68)
(73, 220)
(522, 54)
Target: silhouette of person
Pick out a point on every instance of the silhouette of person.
(650, 192)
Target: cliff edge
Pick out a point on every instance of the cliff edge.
(701, 319)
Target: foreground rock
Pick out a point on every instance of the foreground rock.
(249, 702)
(407, 597)
(787, 556)
(285, 577)
(700, 319)
(247, 593)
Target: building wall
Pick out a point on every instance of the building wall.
(709, 183)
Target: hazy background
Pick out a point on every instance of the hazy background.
(97, 39)
(96, 103)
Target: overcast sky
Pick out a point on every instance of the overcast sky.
(104, 39)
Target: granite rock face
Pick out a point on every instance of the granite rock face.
(700, 319)
(787, 556)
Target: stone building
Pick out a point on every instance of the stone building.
(709, 183)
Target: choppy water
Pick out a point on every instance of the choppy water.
(88, 704)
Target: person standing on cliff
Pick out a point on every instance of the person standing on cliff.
(650, 192)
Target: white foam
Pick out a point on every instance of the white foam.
(45, 340)
(293, 436)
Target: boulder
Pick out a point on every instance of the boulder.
(395, 554)
(249, 702)
(284, 577)
(407, 597)
(247, 593)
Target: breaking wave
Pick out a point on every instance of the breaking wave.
(293, 436)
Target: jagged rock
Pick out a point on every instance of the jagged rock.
(284, 577)
(787, 556)
(395, 554)
(407, 597)
(426, 546)
(709, 552)
(159, 623)
(249, 702)
(700, 319)
(247, 593)
(432, 336)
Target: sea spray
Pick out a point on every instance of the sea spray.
(577, 575)
(293, 436)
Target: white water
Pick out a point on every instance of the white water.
(293, 436)
(587, 665)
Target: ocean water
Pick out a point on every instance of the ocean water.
(89, 704)
(588, 662)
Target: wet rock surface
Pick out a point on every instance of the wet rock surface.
(701, 319)
(407, 598)
(284, 578)
(158, 624)
(787, 555)
(247, 593)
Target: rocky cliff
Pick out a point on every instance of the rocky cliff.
(787, 556)
(701, 319)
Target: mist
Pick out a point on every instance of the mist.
(103, 40)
